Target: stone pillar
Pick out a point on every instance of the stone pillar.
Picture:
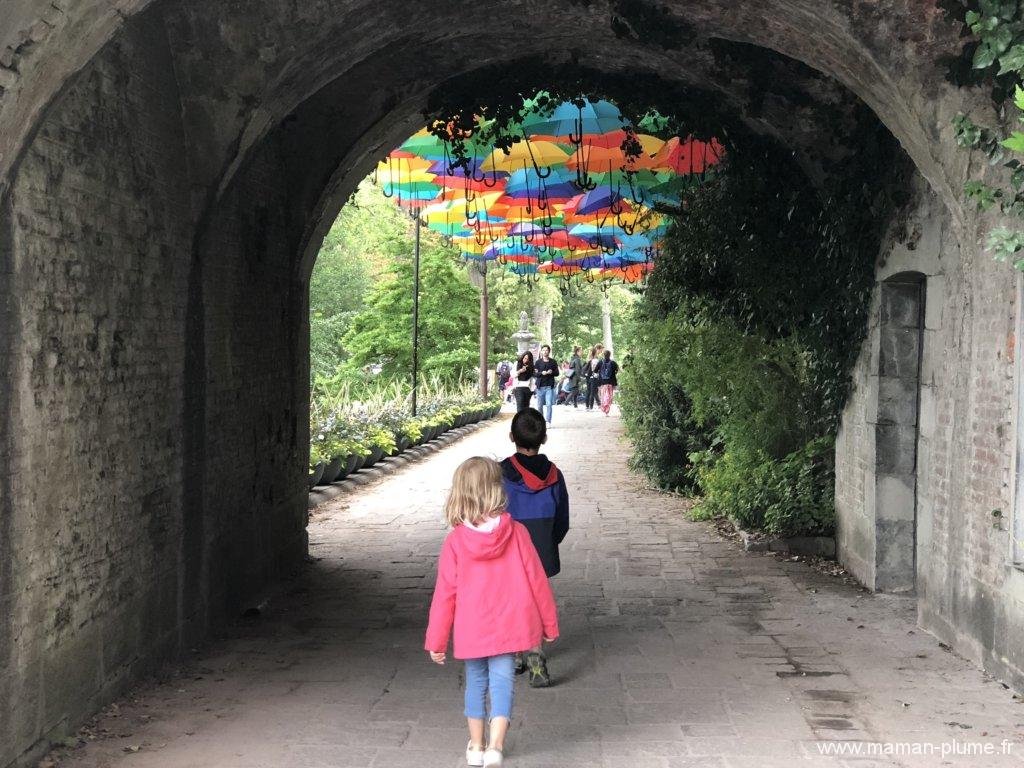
(543, 317)
(523, 337)
(896, 430)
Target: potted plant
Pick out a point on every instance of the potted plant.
(381, 443)
(316, 465)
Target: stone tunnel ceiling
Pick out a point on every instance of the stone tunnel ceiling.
(242, 69)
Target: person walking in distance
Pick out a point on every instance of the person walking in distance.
(538, 498)
(491, 588)
(523, 381)
(593, 375)
(502, 375)
(575, 375)
(547, 372)
(608, 377)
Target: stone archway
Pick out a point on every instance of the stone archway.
(167, 171)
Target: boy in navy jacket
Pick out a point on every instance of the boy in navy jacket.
(537, 498)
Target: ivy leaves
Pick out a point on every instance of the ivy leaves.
(998, 53)
(998, 24)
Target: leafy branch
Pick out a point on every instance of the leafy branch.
(995, 53)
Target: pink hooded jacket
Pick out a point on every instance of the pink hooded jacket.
(493, 588)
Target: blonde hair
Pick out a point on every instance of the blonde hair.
(477, 492)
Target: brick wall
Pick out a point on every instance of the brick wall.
(152, 425)
(968, 591)
(97, 284)
(256, 368)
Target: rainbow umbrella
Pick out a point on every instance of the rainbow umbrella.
(526, 154)
(571, 119)
(566, 197)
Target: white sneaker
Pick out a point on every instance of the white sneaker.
(492, 758)
(474, 756)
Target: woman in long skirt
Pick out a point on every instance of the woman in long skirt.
(608, 370)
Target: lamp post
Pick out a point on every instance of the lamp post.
(484, 334)
(415, 311)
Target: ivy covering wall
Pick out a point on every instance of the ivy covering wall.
(747, 334)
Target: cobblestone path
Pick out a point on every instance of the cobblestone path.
(678, 649)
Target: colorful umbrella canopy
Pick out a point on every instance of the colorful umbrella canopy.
(566, 200)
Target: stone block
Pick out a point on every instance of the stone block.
(934, 302)
(814, 546)
(899, 352)
(926, 411)
(895, 449)
(900, 305)
(870, 395)
(932, 369)
(895, 497)
(897, 401)
(894, 555)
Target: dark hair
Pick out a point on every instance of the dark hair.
(576, 350)
(545, 346)
(607, 354)
(529, 429)
(528, 365)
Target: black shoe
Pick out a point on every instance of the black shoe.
(538, 668)
(520, 663)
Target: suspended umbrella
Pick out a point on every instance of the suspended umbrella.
(564, 270)
(689, 156)
(574, 195)
(630, 273)
(573, 120)
(527, 183)
(425, 145)
(650, 145)
(594, 201)
(517, 259)
(595, 237)
(590, 157)
(523, 269)
(536, 155)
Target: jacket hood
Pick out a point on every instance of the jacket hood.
(486, 546)
(535, 472)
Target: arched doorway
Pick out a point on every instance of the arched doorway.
(168, 178)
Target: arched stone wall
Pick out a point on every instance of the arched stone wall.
(167, 170)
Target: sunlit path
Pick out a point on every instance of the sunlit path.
(678, 649)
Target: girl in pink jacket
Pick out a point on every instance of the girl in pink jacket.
(491, 586)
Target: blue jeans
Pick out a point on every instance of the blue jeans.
(545, 401)
(494, 673)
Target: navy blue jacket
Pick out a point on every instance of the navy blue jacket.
(539, 499)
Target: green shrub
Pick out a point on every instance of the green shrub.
(803, 490)
(659, 420)
(793, 496)
(746, 334)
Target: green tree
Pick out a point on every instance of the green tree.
(367, 237)
(449, 315)
(578, 321)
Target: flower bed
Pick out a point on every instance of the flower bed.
(350, 433)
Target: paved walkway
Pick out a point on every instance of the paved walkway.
(678, 650)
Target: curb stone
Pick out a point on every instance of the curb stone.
(321, 494)
(818, 546)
